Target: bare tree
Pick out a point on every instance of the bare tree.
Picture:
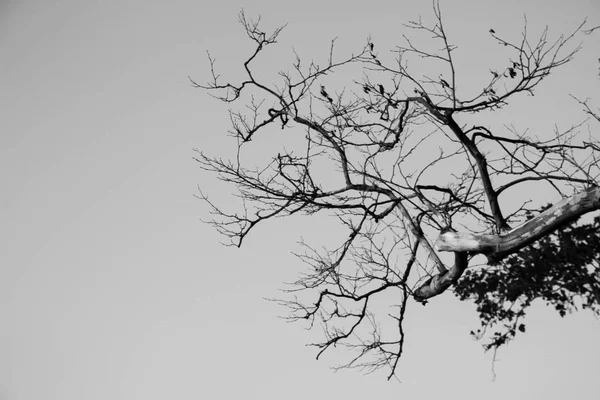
(411, 179)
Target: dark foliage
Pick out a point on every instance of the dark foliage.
(562, 270)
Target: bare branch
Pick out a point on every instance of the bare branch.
(384, 155)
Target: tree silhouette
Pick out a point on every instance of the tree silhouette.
(413, 177)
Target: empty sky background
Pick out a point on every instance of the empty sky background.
(111, 287)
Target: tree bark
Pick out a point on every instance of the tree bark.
(496, 247)
(440, 282)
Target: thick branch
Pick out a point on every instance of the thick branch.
(438, 283)
(496, 247)
(482, 166)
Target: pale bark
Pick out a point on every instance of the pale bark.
(440, 282)
(496, 247)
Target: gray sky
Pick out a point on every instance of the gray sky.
(111, 287)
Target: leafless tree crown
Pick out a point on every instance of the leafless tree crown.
(410, 179)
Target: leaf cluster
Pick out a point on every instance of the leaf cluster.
(562, 270)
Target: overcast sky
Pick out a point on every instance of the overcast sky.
(110, 285)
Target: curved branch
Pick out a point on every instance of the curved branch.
(438, 283)
(496, 247)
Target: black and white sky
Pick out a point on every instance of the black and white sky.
(110, 285)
